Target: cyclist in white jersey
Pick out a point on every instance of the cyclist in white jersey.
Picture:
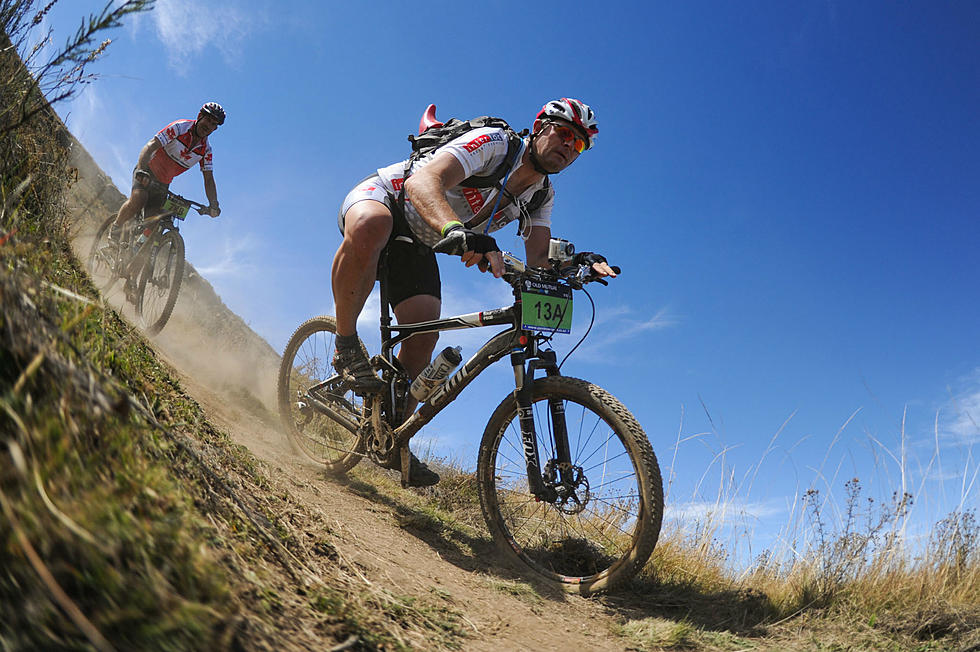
(437, 207)
(173, 150)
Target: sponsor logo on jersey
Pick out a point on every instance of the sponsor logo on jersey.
(474, 198)
(397, 184)
(480, 141)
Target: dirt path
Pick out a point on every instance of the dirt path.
(366, 532)
(231, 372)
(236, 389)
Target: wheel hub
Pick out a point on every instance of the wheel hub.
(570, 485)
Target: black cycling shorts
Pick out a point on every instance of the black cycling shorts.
(156, 193)
(413, 269)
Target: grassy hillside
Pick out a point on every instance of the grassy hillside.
(130, 522)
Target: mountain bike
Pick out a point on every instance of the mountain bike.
(569, 485)
(150, 262)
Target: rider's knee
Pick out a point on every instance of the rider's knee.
(134, 204)
(368, 226)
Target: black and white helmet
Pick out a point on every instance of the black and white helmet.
(214, 110)
(574, 111)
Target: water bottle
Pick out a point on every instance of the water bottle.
(437, 371)
(141, 238)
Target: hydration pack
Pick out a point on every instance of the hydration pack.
(434, 134)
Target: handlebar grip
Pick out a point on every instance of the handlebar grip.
(616, 269)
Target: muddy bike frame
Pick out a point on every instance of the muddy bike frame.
(132, 262)
(526, 357)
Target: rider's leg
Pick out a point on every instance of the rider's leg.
(367, 225)
(132, 206)
(414, 354)
(416, 351)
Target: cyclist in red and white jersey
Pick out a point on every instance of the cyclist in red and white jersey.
(436, 209)
(173, 150)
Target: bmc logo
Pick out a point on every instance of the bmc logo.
(480, 141)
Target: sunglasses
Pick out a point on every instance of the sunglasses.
(569, 136)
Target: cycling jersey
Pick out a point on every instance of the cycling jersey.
(480, 152)
(176, 155)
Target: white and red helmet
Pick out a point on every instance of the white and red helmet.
(574, 111)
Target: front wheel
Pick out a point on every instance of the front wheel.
(159, 281)
(320, 415)
(603, 520)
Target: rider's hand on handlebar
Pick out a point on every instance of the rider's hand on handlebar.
(472, 247)
(213, 210)
(600, 267)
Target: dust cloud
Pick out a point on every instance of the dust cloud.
(204, 339)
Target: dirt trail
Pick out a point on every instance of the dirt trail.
(231, 372)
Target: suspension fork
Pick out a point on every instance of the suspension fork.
(524, 380)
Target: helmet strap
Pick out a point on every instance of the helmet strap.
(535, 163)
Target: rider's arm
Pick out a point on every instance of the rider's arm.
(147, 153)
(427, 189)
(536, 246)
(212, 192)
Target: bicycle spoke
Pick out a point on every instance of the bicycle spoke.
(594, 519)
(307, 389)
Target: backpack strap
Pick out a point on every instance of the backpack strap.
(492, 180)
(514, 144)
(539, 197)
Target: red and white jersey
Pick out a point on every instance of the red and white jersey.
(479, 151)
(176, 155)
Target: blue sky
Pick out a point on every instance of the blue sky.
(791, 190)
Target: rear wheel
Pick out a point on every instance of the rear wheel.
(604, 523)
(160, 280)
(320, 416)
(102, 256)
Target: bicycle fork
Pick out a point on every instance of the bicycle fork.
(524, 380)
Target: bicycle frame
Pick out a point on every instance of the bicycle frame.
(160, 225)
(526, 358)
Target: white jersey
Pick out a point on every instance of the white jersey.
(480, 152)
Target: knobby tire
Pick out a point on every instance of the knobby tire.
(306, 361)
(613, 535)
(161, 276)
(100, 268)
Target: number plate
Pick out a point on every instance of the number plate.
(175, 208)
(546, 306)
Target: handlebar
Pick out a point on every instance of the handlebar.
(202, 209)
(575, 275)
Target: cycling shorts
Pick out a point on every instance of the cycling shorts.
(156, 193)
(412, 267)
